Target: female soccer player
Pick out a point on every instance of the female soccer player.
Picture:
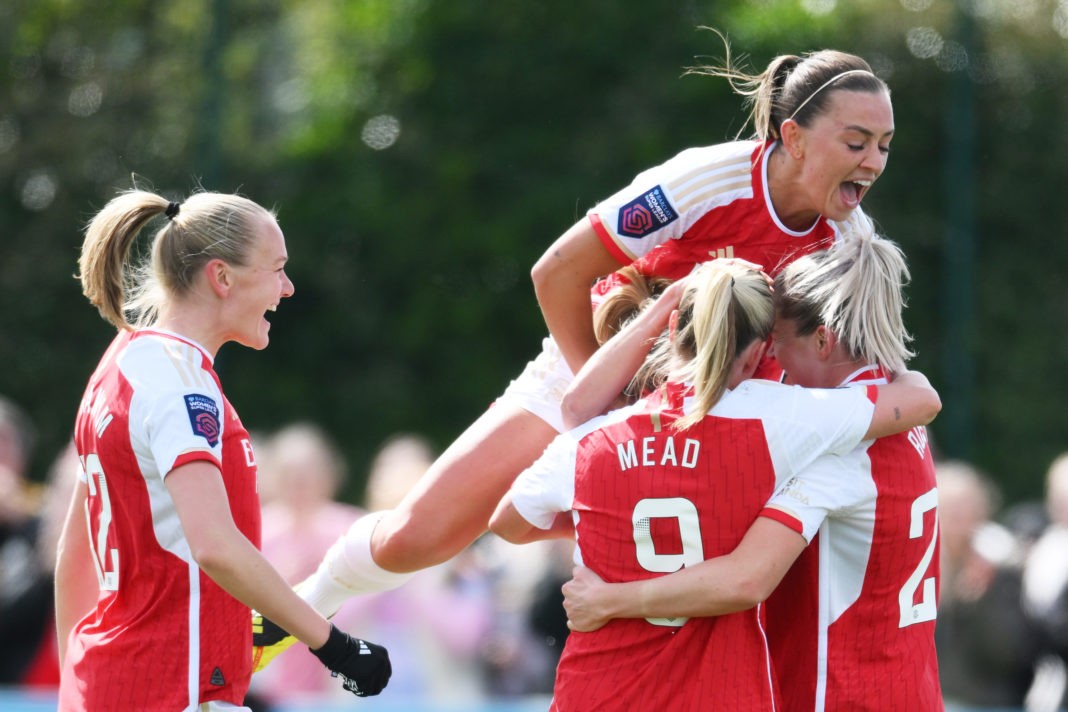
(679, 477)
(159, 560)
(823, 127)
(856, 612)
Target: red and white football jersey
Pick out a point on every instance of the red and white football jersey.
(647, 500)
(704, 203)
(851, 626)
(163, 636)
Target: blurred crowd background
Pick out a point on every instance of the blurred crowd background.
(421, 156)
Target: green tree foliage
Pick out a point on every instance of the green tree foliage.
(423, 155)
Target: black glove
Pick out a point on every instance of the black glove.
(364, 667)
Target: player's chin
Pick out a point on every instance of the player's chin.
(258, 340)
(837, 211)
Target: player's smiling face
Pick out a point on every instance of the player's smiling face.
(845, 150)
(259, 287)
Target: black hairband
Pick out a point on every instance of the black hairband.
(172, 210)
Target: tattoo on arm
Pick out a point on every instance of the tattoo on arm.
(897, 413)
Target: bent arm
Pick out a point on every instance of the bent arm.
(510, 525)
(76, 585)
(906, 402)
(231, 560)
(608, 371)
(562, 279)
(726, 584)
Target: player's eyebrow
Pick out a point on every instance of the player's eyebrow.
(866, 131)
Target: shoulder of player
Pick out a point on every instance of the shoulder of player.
(163, 362)
(758, 397)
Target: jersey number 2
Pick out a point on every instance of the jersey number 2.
(106, 560)
(693, 551)
(913, 613)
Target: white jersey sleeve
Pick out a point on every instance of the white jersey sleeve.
(802, 424)
(176, 410)
(830, 485)
(547, 487)
(662, 203)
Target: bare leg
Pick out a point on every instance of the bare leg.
(446, 511)
(452, 503)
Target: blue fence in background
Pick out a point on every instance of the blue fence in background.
(13, 700)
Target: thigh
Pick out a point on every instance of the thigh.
(451, 504)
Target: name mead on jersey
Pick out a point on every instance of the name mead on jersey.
(658, 450)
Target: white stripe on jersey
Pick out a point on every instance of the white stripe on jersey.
(758, 613)
(193, 671)
(185, 359)
(712, 183)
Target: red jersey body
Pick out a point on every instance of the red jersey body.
(851, 626)
(163, 636)
(647, 500)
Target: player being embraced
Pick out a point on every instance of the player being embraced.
(823, 125)
(158, 562)
(678, 477)
(851, 624)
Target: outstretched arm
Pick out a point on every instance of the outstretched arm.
(734, 582)
(562, 280)
(608, 371)
(906, 402)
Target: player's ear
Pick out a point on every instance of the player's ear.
(793, 139)
(826, 340)
(219, 277)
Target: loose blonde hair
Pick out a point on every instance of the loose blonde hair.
(206, 226)
(855, 289)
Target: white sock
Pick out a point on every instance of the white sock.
(348, 569)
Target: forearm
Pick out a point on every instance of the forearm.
(907, 402)
(608, 371)
(243, 572)
(726, 584)
(226, 555)
(711, 588)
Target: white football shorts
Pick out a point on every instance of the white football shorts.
(540, 388)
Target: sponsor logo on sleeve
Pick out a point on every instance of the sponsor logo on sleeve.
(204, 417)
(645, 214)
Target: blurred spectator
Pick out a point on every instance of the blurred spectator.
(30, 655)
(530, 624)
(1045, 589)
(20, 569)
(433, 626)
(986, 647)
(18, 497)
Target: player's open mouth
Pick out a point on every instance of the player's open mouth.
(852, 191)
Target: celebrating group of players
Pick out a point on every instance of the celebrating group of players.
(755, 516)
